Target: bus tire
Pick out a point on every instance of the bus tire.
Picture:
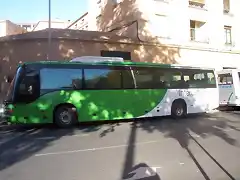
(65, 116)
(179, 109)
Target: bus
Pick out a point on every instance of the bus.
(229, 87)
(68, 92)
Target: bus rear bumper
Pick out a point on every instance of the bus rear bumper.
(229, 104)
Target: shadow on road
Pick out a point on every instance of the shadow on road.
(139, 171)
(18, 143)
(202, 125)
(23, 146)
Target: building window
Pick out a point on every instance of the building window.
(98, 19)
(159, 26)
(192, 30)
(122, 54)
(226, 6)
(228, 34)
(197, 3)
(198, 31)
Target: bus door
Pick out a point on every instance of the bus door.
(226, 89)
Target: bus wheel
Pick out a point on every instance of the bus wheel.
(65, 116)
(179, 109)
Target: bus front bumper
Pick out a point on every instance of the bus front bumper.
(6, 113)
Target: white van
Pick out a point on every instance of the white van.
(229, 87)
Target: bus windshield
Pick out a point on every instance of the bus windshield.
(11, 88)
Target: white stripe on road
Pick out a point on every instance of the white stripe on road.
(45, 138)
(95, 149)
(80, 135)
(228, 130)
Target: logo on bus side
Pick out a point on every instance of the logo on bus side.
(185, 93)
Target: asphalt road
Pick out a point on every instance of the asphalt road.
(200, 147)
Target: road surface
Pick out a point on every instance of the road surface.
(200, 147)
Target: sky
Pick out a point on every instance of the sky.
(31, 11)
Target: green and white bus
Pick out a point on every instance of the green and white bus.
(84, 90)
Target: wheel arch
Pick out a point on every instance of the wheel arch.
(180, 100)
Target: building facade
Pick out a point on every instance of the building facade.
(40, 25)
(9, 28)
(202, 29)
(81, 23)
(28, 26)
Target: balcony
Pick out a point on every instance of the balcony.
(199, 4)
(226, 6)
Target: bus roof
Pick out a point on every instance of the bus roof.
(223, 71)
(125, 63)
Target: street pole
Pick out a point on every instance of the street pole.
(49, 30)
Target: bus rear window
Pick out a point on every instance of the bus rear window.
(225, 79)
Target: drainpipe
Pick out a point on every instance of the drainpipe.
(49, 30)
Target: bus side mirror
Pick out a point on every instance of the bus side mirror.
(8, 79)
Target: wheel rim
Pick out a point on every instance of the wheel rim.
(179, 111)
(65, 117)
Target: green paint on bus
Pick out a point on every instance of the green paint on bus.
(91, 105)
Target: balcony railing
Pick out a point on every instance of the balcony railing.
(195, 36)
(197, 4)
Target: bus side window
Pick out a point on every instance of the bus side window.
(102, 78)
(177, 80)
(197, 78)
(143, 77)
(159, 79)
(127, 78)
(60, 78)
(211, 78)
